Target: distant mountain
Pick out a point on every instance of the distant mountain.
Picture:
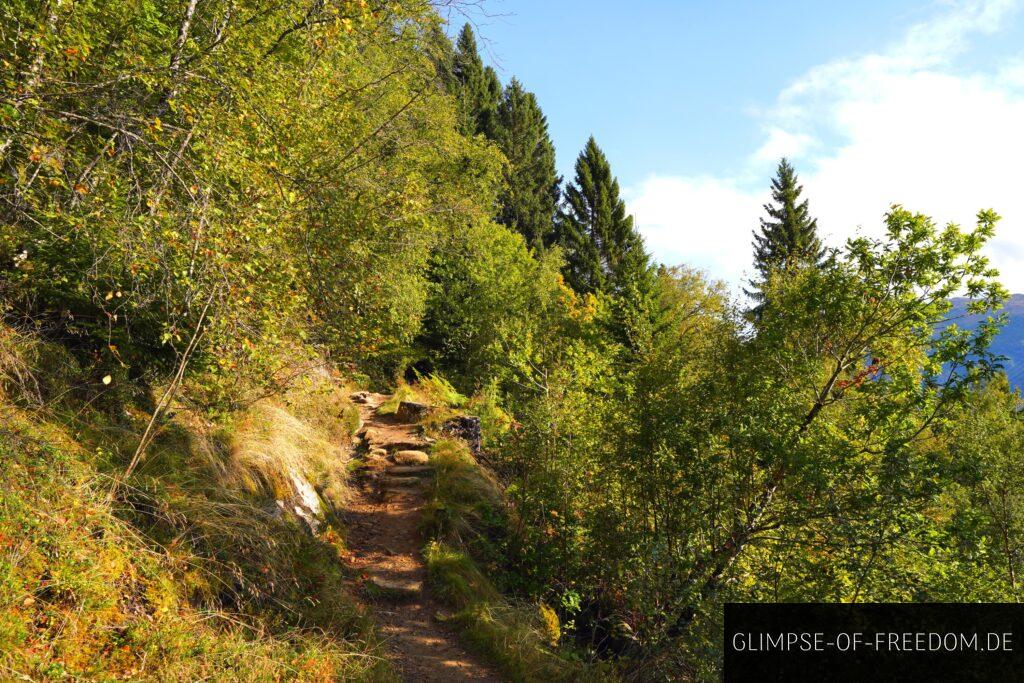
(1010, 341)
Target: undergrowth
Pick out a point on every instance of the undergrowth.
(465, 518)
(433, 390)
(191, 571)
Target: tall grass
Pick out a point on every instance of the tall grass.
(192, 572)
(86, 595)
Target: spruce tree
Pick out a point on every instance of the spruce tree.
(479, 88)
(788, 237)
(439, 49)
(604, 252)
(530, 199)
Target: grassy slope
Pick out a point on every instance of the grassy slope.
(463, 516)
(189, 574)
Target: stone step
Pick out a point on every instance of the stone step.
(410, 444)
(410, 457)
(391, 442)
(394, 495)
(394, 589)
(400, 482)
(410, 470)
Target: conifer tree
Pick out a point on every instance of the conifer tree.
(479, 88)
(604, 252)
(530, 199)
(439, 49)
(788, 236)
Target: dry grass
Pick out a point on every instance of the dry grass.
(271, 446)
(17, 380)
(86, 596)
(302, 437)
(190, 572)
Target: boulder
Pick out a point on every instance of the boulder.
(304, 502)
(467, 428)
(411, 411)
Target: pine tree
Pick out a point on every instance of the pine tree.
(604, 252)
(479, 88)
(530, 199)
(439, 49)
(788, 237)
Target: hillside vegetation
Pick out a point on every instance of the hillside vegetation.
(218, 218)
(183, 572)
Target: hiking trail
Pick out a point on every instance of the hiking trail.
(385, 544)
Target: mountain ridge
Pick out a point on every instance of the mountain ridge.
(1009, 343)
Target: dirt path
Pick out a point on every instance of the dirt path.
(385, 543)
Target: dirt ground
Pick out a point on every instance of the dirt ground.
(385, 543)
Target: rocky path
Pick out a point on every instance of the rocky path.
(385, 542)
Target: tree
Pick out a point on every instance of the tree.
(821, 416)
(986, 524)
(604, 252)
(165, 207)
(490, 301)
(530, 199)
(478, 86)
(788, 237)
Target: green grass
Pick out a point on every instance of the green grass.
(466, 505)
(465, 517)
(436, 390)
(432, 390)
(403, 392)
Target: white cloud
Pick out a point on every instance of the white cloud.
(907, 125)
(782, 143)
(703, 222)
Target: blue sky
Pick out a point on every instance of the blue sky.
(917, 102)
(668, 87)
